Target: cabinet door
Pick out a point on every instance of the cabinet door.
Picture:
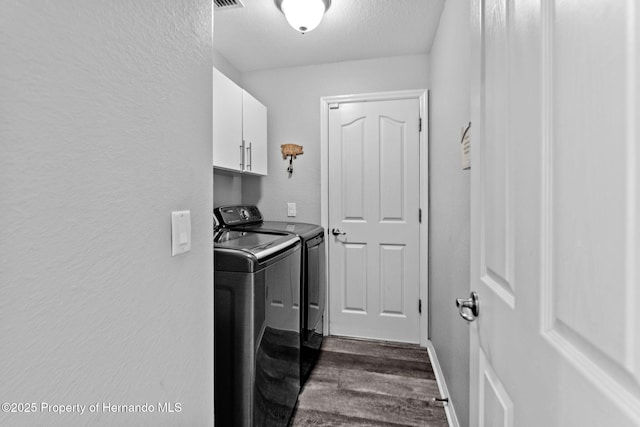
(254, 133)
(227, 123)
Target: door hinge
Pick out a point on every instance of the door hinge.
(335, 106)
(420, 124)
(420, 306)
(420, 216)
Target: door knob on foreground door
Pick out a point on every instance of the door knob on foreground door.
(337, 232)
(469, 308)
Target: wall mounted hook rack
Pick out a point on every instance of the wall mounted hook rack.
(292, 151)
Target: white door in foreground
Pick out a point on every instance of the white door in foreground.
(555, 213)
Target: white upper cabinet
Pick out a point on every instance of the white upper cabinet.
(254, 134)
(239, 128)
(227, 123)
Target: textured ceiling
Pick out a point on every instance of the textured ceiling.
(258, 37)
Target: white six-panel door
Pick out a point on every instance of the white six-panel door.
(374, 200)
(555, 213)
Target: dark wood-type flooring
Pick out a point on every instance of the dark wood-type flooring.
(370, 383)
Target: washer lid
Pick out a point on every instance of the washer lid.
(302, 229)
(259, 245)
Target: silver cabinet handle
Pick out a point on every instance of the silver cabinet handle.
(337, 232)
(242, 155)
(469, 308)
(249, 156)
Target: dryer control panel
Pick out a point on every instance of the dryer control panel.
(238, 215)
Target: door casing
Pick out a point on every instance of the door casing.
(422, 96)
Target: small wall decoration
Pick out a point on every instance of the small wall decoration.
(465, 146)
(292, 151)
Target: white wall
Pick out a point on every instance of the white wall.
(105, 129)
(450, 200)
(225, 67)
(292, 96)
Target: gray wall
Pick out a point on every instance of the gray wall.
(292, 96)
(450, 200)
(105, 128)
(227, 188)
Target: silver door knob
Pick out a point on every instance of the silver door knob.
(469, 308)
(337, 232)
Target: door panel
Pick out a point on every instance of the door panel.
(591, 204)
(254, 134)
(354, 285)
(392, 157)
(353, 189)
(497, 232)
(555, 213)
(374, 200)
(227, 123)
(592, 215)
(497, 406)
(392, 257)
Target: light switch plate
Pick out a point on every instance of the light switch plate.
(180, 232)
(291, 209)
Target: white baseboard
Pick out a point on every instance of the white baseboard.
(442, 386)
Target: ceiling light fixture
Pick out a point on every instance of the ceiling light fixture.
(303, 15)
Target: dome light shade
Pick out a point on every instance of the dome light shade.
(303, 15)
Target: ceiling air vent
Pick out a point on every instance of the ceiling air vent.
(227, 4)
